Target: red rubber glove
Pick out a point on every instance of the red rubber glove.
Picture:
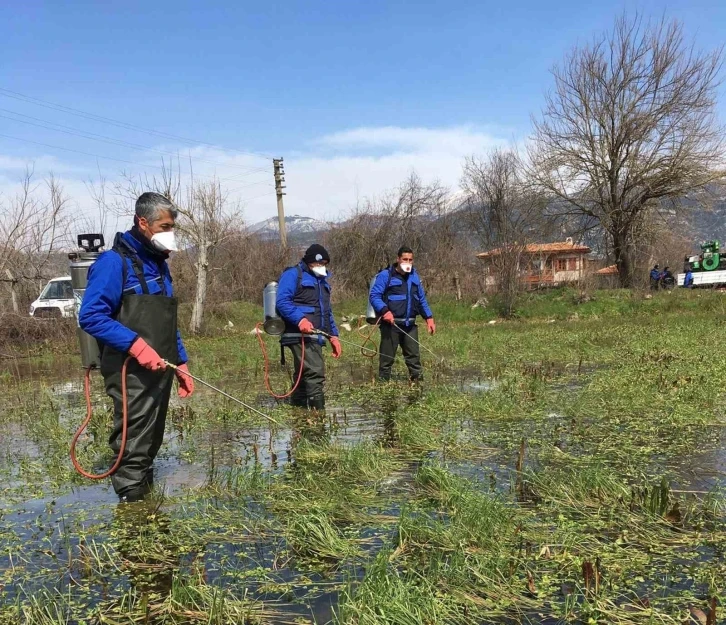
(306, 327)
(388, 317)
(431, 325)
(186, 384)
(337, 347)
(146, 355)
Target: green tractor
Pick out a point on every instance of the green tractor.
(710, 258)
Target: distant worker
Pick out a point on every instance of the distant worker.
(129, 307)
(667, 279)
(398, 297)
(655, 277)
(303, 303)
(688, 280)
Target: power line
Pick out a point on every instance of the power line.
(250, 185)
(249, 199)
(108, 158)
(108, 120)
(104, 139)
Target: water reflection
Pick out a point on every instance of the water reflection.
(146, 553)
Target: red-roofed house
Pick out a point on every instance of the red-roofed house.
(542, 264)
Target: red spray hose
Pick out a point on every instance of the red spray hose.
(368, 338)
(266, 359)
(89, 414)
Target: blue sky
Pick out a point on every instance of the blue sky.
(353, 94)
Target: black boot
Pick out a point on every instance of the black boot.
(298, 401)
(137, 494)
(317, 403)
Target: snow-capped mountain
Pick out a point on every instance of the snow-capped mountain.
(299, 228)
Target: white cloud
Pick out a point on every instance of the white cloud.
(455, 140)
(325, 180)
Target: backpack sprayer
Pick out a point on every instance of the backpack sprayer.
(80, 261)
(274, 326)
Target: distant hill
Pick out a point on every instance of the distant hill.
(701, 216)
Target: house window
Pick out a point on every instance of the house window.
(571, 264)
(561, 264)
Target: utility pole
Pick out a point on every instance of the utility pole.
(279, 179)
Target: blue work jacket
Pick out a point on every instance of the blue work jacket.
(403, 295)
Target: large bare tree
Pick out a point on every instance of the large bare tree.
(505, 212)
(630, 123)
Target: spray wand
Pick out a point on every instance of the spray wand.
(221, 392)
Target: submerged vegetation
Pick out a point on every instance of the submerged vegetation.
(563, 467)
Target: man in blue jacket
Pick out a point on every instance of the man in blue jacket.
(655, 276)
(398, 296)
(303, 303)
(129, 307)
(688, 280)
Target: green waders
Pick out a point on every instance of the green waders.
(310, 393)
(391, 338)
(153, 318)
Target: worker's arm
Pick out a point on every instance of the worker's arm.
(183, 358)
(377, 291)
(102, 300)
(333, 328)
(286, 289)
(425, 308)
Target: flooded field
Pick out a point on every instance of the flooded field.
(543, 473)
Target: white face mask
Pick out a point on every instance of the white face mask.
(406, 267)
(165, 241)
(320, 271)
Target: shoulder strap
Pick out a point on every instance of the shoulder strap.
(124, 251)
(384, 295)
(390, 277)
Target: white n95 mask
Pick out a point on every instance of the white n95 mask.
(320, 271)
(406, 267)
(165, 241)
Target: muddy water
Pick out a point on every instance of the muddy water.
(48, 527)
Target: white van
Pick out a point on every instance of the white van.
(57, 300)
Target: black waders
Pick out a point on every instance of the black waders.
(310, 393)
(391, 338)
(153, 318)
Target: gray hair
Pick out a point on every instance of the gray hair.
(151, 205)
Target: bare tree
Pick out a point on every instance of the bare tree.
(504, 211)
(33, 229)
(630, 123)
(413, 214)
(206, 221)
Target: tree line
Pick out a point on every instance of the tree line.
(628, 128)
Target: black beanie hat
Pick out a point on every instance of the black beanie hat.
(316, 253)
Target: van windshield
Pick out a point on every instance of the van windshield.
(59, 289)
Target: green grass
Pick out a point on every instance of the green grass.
(579, 488)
